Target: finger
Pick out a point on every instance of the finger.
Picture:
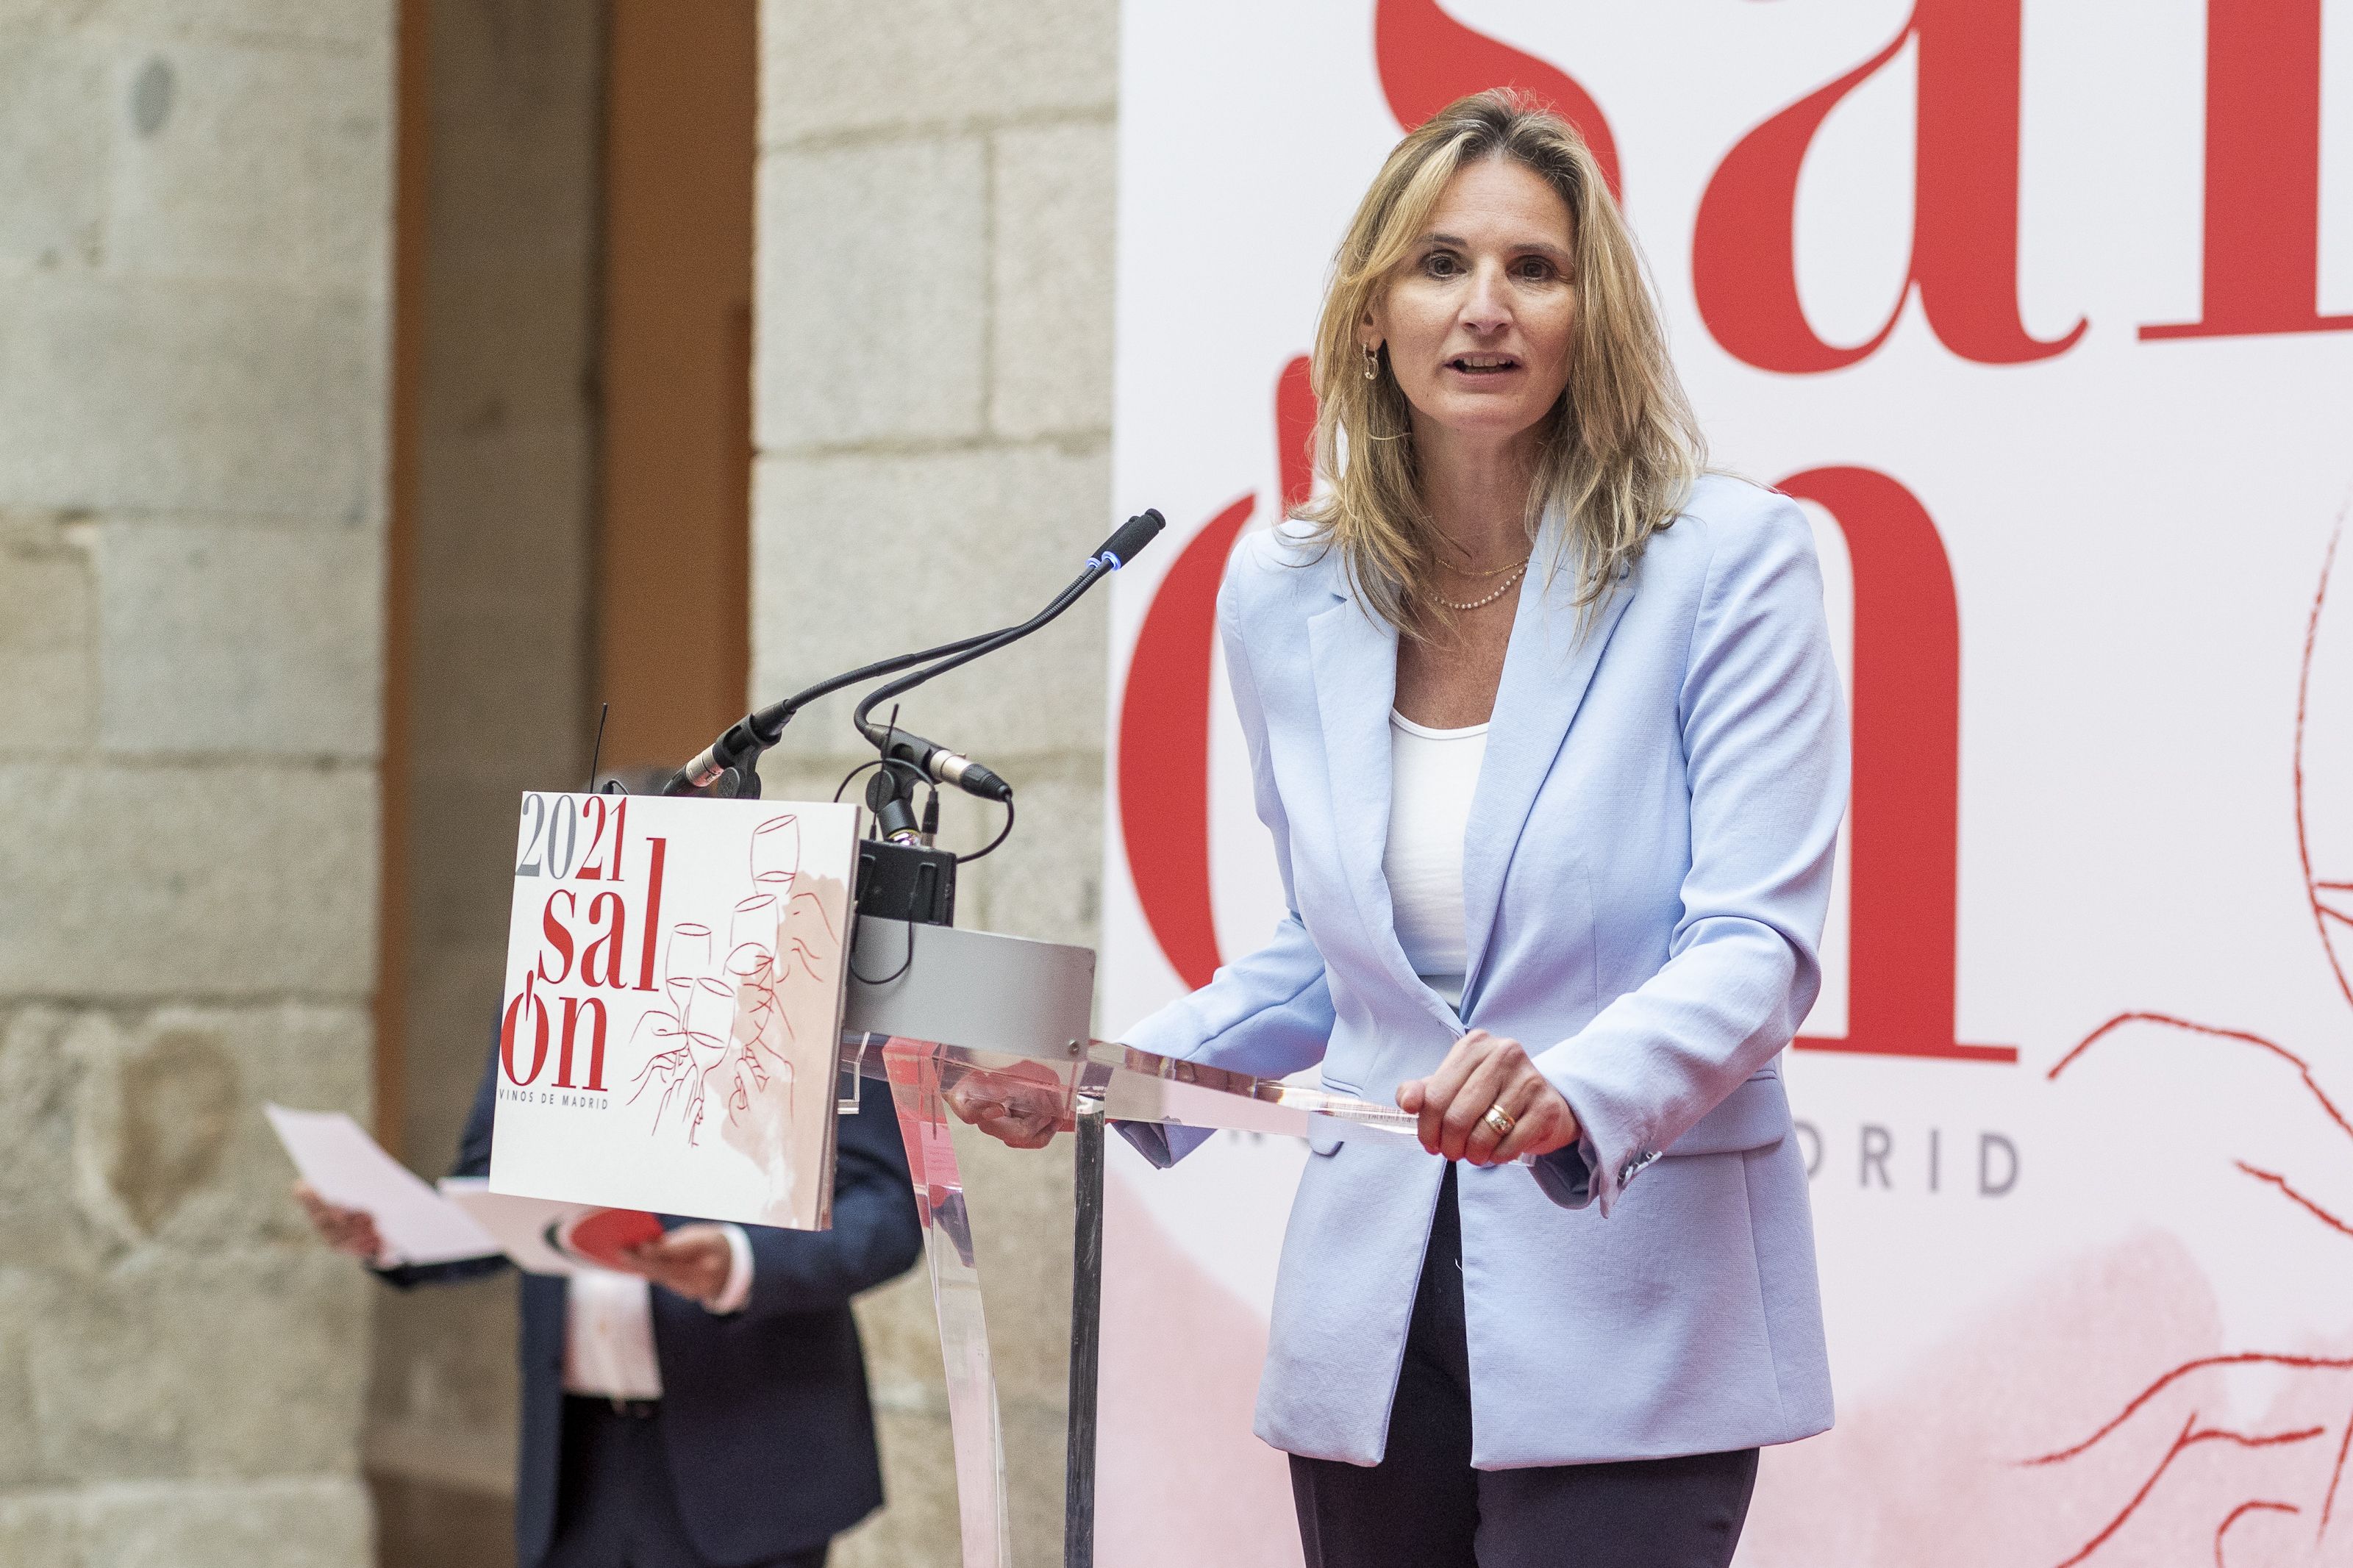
(1545, 1123)
(1019, 1133)
(1439, 1089)
(1517, 1094)
(1464, 1115)
(1410, 1096)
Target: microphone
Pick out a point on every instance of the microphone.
(1133, 535)
(756, 731)
(942, 766)
(1125, 543)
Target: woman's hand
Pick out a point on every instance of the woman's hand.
(1022, 1106)
(348, 1231)
(693, 1261)
(1483, 1070)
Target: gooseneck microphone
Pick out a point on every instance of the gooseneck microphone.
(738, 749)
(936, 761)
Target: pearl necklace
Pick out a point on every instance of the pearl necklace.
(1482, 603)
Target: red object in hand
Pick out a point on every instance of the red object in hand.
(604, 1236)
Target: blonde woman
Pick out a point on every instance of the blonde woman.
(1544, 724)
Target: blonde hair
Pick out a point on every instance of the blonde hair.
(1619, 451)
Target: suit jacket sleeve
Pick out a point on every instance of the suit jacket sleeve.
(473, 1160)
(875, 1237)
(1269, 1013)
(1764, 737)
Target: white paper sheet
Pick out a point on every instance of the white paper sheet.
(525, 1228)
(347, 1167)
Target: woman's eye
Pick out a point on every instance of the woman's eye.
(1534, 269)
(1441, 265)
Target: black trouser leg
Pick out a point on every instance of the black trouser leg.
(615, 1506)
(1424, 1507)
(1419, 1508)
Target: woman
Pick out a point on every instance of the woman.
(1546, 727)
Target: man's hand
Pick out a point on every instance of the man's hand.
(693, 1260)
(1483, 1071)
(348, 1231)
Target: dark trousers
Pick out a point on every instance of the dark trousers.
(614, 1506)
(1424, 1507)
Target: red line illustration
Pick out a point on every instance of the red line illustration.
(2267, 1482)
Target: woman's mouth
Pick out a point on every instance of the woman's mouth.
(1483, 364)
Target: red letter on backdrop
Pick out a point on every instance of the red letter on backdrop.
(1164, 713)
(1164, 750)
(1295, 433)
(2263, 173)
(1965, 201)
(1905, 814)
(1428, 60)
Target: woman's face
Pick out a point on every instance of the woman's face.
(1480, 319)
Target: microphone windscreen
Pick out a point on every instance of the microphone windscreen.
(1134, 534)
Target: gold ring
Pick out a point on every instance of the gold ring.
(1501, 1120)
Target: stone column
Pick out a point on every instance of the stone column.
(933, 413)
(194, 215)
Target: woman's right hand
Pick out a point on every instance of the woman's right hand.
(1022, 1106)
(348, 1231)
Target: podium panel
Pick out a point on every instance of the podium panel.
(960, 1026)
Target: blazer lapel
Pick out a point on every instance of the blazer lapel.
(1547, 669)
(1354, 655)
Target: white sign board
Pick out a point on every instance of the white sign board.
(2043, 313)
(672, 1018)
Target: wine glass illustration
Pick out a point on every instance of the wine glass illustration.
(752, 938)
(708, 1021)
(776, 856)
(659, 1042)
(687, 957)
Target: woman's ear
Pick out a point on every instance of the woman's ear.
(1369, 336)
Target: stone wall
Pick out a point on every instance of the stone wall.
(932, 414)
(193, 226)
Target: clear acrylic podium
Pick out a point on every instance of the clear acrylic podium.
(951, 1019)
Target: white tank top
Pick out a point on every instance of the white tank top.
(1432, 775)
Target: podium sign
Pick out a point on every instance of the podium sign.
(670, 1028)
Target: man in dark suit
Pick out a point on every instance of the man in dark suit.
(714, 1414)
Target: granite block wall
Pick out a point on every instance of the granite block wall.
(194, 213)
(933, 424)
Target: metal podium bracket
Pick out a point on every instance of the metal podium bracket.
(1086, 1334)
(970, 988)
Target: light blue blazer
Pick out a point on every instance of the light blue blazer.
(1646, 873)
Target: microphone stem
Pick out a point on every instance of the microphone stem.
(973, 650)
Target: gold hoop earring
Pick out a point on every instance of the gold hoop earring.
(1372, 365)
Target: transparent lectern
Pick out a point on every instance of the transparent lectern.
(951, 1019)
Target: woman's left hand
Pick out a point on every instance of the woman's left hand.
(1483, 1070)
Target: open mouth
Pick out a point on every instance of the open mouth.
(1483, 364)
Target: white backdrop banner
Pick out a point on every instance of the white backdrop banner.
(2046, 314)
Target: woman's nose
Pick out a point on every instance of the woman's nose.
(1486, 308)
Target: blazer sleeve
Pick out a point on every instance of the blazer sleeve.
(875, 1237)
(1764, 735)
(1269, 1013)
(473, 1160)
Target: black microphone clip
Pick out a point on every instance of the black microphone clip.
(942, 766)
